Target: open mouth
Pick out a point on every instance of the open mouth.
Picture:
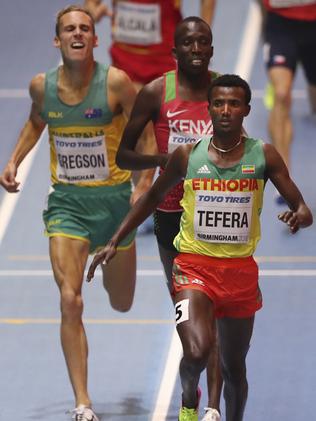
(197, 62)
(77, 45)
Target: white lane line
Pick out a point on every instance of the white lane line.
(250, 41)
(45, 257)
(49, 272)
(14, 93)
(159, 273)
(258, 259)
(9, 200)
(24, 321)
(285, 259)
(168, 379)
(287, 272)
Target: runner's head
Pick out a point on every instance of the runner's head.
(230, 81)
(75, 34)
(229, 97)
(193, 45)
(68, 9)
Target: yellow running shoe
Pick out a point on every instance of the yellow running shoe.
(268, 98)
(188, 414)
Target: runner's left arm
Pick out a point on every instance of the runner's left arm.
(299, 215)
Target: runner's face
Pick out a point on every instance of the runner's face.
(76, 38)
(194, 48)
(228, 108)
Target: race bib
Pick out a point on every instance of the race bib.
(222, 217)
(137, 23)
(80, 159)
(290, 3)
(182, 311)
(176, 139)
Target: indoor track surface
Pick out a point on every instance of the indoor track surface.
(133, 357)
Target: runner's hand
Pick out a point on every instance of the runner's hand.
(291, 219)
(104, 11)
(104, 256)
(7, 179)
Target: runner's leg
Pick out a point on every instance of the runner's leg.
(68, 258)
(234, 339)
(119, 278)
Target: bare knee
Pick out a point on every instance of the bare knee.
(282, 97)
(121, 306)
(197, 355)
(234, 371)
(71, 305)
(120, 300)
(119, 279)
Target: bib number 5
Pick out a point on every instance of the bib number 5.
(182, 311)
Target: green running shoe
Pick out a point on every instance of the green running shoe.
(190, 414)
(268, 98)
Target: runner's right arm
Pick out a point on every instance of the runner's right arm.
(28, 137)
(174, 172)
(299, 215)
(208, 10)
(121, 96)
(146, 108)
(97, 9)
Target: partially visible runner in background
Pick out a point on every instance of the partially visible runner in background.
(176, 104)
(290, 39)
(142, 40)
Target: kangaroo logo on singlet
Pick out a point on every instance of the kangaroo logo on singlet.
(55, 114)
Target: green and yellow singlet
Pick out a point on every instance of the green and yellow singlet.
(84, 138)
(222, 206)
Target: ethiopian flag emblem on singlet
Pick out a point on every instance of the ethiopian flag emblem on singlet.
(248, 169)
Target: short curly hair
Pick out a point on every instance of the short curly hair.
(230, 81)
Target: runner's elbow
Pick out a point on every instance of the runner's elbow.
(122, 160)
